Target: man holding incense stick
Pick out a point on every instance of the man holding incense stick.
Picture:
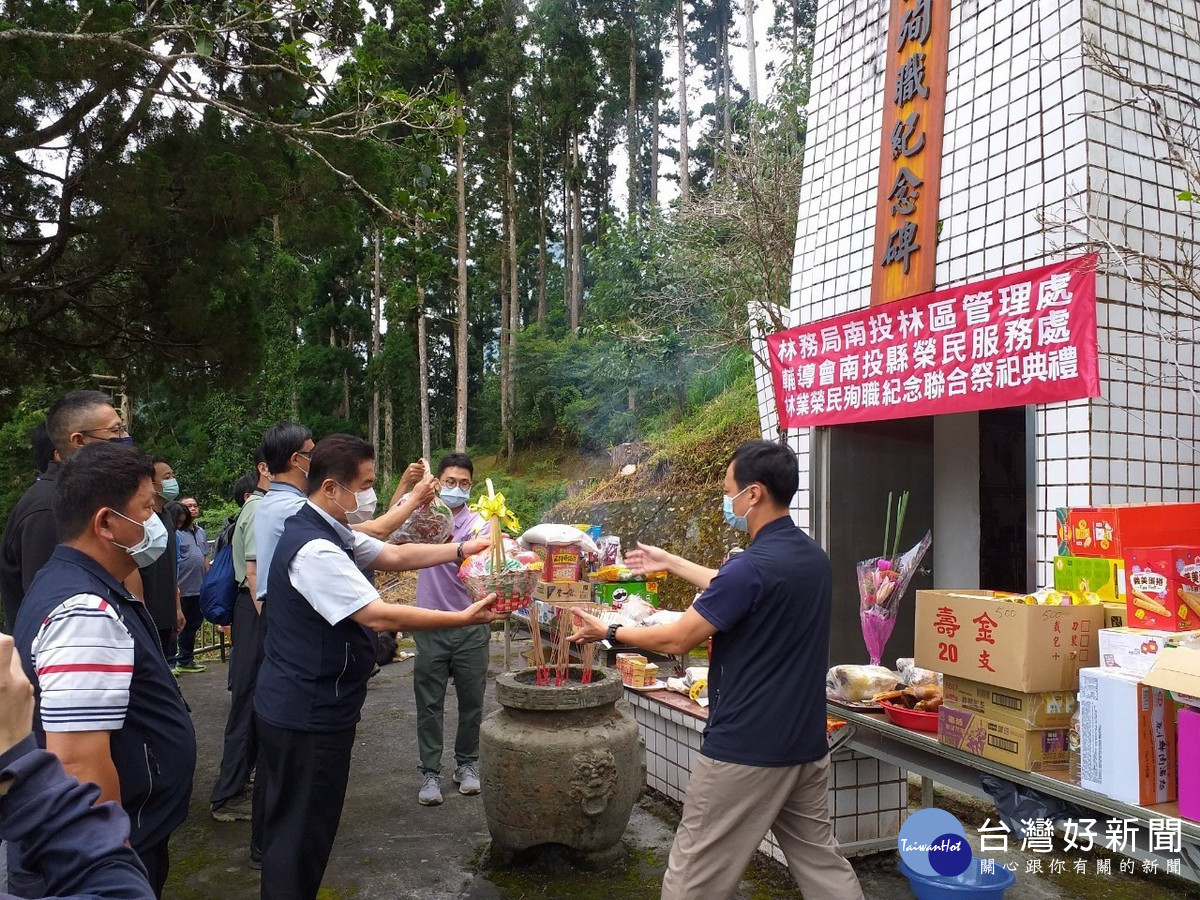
(764, 763)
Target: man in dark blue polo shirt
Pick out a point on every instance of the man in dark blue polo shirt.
(764, 762)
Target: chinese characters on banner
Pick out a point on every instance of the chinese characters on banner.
(910, 156)
(1008, 341)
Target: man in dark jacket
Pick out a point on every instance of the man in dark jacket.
(78, 419)
(76, 845)
(108, 706)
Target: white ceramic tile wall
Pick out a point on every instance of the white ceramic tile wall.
(1035, 132)
(868, 798)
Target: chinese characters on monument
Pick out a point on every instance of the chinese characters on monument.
(1018, 339)
(910, 159)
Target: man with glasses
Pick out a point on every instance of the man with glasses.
(442, 653)
(77, 419)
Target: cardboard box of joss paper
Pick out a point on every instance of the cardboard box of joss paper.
(1164, 588)
(1126, 738)
(979, 637)
(1027, 749)
(1044, 709)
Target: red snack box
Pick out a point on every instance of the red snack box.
(1107, 530)
(1163, 588)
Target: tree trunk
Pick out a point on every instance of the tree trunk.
(504, 335)
(576, 240)
(422, 356)
(514, 301)
(750, 51)
(387, 449)
(460, 335)
(631, 124)
(541, 272)
(373, 426)
(681, 39)
(723, 57)
(568, 228)
(654, 138)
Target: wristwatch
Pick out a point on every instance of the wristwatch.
(611, 636)
(459, 552)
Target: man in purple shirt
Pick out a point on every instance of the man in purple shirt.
(445, 652)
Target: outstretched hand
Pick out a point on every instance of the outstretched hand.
(647, 558)
(589, 628)
(475, 545)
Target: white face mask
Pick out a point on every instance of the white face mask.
(152, 544)
(364, 509)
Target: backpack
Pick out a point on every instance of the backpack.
(219, 588)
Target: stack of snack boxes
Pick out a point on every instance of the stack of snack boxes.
(636, 671)
(1128, 748)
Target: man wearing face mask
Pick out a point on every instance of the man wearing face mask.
(160, 579)
(445, 652)
(108, 706)
(319, 656)
(77, 419)
(764, 761)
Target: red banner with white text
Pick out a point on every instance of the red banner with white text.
(1024, 338)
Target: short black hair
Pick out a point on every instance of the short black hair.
(68, 414)
(155, 460)
(338, 457)
(774, 466)
(458, 460)
(176, 511)
(279, 442)
(258, 455)
(244, 487)
(100, 474)
(43, 447)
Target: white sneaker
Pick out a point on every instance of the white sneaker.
(466, 777)
(431, 790)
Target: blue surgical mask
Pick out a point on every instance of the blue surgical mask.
(170, 489)
(123, 439)
(735, 521)
(152, 544)
(454, 497)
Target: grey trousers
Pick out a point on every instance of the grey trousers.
(727, 811)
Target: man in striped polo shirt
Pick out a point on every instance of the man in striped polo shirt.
(108, 705)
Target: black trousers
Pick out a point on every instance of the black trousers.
(302, 781)
(157, 863)
(186, 646)
(241, 744)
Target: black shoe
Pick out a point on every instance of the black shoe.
(256, 860)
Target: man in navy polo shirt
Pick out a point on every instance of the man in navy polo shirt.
(319, 655)
(764, 762)
(108, 705)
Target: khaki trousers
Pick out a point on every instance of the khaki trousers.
(726, 813)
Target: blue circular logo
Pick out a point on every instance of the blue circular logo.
(934, 842)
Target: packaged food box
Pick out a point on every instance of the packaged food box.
(564, 562)
(615, 593)
(562, 591)
(1106, 530)
(1114, 614)
(1102, 576)
(1027, 749)
(1044, 709)
(1127, 738)
(1177, 669)
(1135, 650)
(978, 636)
(1164, 587)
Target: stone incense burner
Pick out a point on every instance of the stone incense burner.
(560, 765)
